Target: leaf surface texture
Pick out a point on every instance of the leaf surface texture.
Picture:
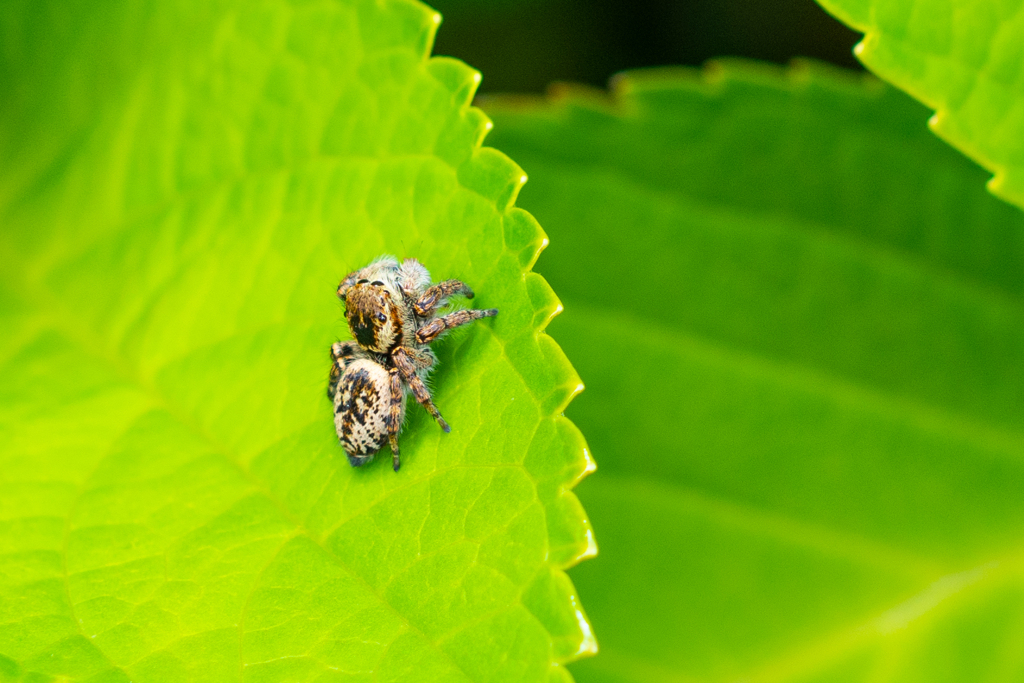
(184, 186)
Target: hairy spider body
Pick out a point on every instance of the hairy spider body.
(392, 312)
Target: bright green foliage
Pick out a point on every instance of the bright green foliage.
(962, 58)
(183, 186)
(800, 318)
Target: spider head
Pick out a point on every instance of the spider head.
(372, 316)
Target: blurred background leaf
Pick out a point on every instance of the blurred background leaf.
(183, 187)
(799, 318)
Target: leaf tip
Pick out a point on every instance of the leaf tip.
(457, 77)
(573, 636)
(493, 175)
(591, 549)
(524, 237)
(588, 646)
(591, 464)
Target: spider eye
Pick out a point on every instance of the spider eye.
(362, 282)
(377, 283)
(381, 317)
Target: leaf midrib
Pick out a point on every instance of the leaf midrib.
(843, 641)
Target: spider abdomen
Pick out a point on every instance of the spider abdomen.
(362, 406)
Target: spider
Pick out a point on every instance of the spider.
(392, 311)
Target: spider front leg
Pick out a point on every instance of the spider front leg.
(395, 415)
(434, 296)
(347, 283)
(342, 353)
(438, 326)
(407, 368)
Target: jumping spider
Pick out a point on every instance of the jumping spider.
(392, 311)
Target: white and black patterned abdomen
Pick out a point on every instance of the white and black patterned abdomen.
(361, 407)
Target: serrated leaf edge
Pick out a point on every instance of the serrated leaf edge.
(504, 202)
(711, 78)
(939, 123)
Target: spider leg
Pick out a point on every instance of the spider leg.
(435, 296)
(395, 415)
(436, 327)
(342, 353)
(407, 369)
(347, 283)
(345, 352)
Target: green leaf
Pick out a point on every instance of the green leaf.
(962, 58)
(799, 317)
(184, 186)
